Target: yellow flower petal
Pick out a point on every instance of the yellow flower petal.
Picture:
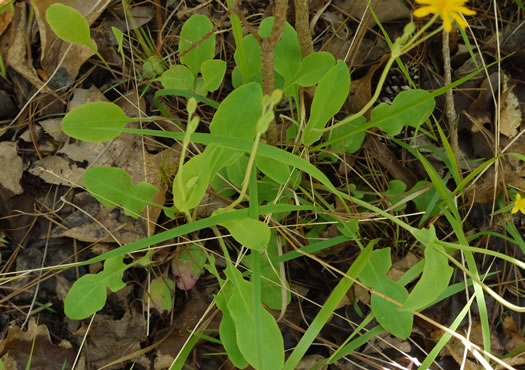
(460, 21)
(446, 9)
(447, 24)
(519, 205)
(423, 12)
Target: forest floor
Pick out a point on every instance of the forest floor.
(48, 219)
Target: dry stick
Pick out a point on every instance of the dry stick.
(268, 46)
(449, 98)
(302, 26)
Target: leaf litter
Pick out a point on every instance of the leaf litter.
(118, 334)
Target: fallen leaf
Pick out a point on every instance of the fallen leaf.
(11, 167)
(510, 113)
(98, 223)
(386, 10)
(110, 340)
(14, 48)
(7, 16)
(18, 346)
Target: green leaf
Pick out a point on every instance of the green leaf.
(161, 290)
(396, 187)
(312, 69)
(239, 113)
(68, 24)
(177, 77)
(413, 116)
(254, 62)
(237, 171)
(249, 232)
(119, 35)
(352, 143)
(426, 201)
(213, 73)
(277, 171)
(153, 66)
(190, 184)
(392, 125)
(387, 314)
(227, 330)
(287, 52)
(193, 31)
(88, 294)
(95, 122)
(112, 187)
(434, 280)
(241, 309)
(330, 95)
(236, 117)
(271, 291)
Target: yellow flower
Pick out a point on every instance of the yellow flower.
(445, 9)
(519, 205)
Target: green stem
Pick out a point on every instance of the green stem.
(371, 101)
(246, 180)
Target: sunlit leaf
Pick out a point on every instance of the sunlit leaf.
(213, 73)
(95, 122)
(177, 77)
(68, 24)
(249, 232)
(194, 31)
(112, 187)
(330, 95)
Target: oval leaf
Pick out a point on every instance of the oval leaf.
(213, 72)
(95, 122)
(69, 25)
(329, 97)
(287, 52)
(387, 314)
(249, 232)
(312, 69)
(194, 30)
(241, 307)
(177, 77)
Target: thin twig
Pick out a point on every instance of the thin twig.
(449, 98)
(268, 46)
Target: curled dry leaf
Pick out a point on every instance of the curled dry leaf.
(7, 16)
(36, 342)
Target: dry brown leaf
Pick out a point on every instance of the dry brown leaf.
(110, 340)
(124, 152)
(7, 16)
(510, 113)
(185, 320)
(386, 10)
(52, 128)
(17, 347)
(361, 91)
(11, 167)
(13, 45)
(309, 362)
(399, 268)
(49, 167)
(104, 225)
(52, 46)
(514, 339)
